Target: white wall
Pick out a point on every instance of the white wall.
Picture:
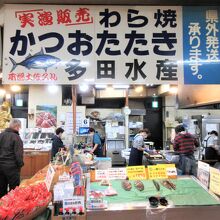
(39, 95)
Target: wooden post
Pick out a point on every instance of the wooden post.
(126, 121)
(74, 100)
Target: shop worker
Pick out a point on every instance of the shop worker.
(11, 157)
(138, 146)
(184, 144)
(211, 146)
(57, 143)
(97, 143)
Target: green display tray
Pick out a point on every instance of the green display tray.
(188, 193)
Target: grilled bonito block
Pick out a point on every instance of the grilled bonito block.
(126, 185)
(139, 185)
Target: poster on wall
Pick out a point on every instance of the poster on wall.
(46, 116)
(92, 44)
(201, 34)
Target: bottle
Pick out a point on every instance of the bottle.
(60, 211)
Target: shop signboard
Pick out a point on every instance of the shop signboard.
(201, 32)
(203, 173)
(214, 180)
(92, 44)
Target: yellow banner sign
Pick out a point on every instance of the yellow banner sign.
(136, 172)
(214, 180)
(157, 171)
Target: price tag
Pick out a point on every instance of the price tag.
(117, 173)
(136, 172)
(157, 172)
(215, 180)
(75, 202)
(171, 171)
(101, 174)
(49, 177)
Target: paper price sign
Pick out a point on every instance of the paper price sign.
(117, 173)
(101, 174)
(157, 172)
(203, 173)
(136, 172)
(171, 170)
(215, 180)
(49, 177)
(75, 202)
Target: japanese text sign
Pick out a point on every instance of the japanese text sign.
(92, 44)
(136, 172)
(157, 172)
(214, 180)
(203, 173)
(201, 32)
(49, 177)
(101, 174)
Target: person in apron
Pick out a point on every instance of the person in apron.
(97, 143)
(137, 148)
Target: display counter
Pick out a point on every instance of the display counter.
(188, 198)
(34, 160)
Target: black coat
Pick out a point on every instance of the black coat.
(11, 149)
(57, 143)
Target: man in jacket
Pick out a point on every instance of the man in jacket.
(184, 144)
(11, 157)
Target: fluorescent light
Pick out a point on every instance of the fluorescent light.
(15, 88)
(100, 86)
(84, 87)
(139, 89)
(120, 86)
(8, 96)
(173, 90)
(52, 89)
(2, 92)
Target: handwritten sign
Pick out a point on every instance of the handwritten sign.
(117, 173)
(157, 172)
(215, 180)
(101, 174)
(49, 177)
(171, 171)
(203, 173)
(136, 172)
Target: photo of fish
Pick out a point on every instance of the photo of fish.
(37, 61)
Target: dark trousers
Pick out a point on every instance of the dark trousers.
(9, 176)
(187, 164)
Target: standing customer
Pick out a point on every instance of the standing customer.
(11, 157)
(136, 155)
(97, 143)
(57, 143)
(184, 144)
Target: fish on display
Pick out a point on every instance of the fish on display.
(156, 184)
(37, 61)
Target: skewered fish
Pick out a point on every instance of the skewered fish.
(168, 184)
(156, 184)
